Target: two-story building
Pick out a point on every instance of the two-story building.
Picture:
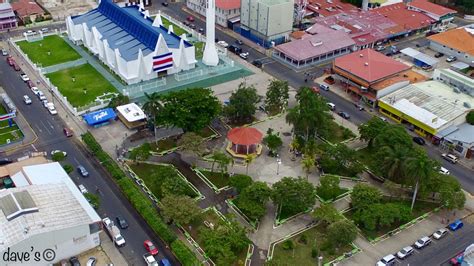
(225, 9)
(456, 42)
(7, 17)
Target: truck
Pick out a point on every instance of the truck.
(150, 260)
(113, 232)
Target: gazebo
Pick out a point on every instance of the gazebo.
(244, 141)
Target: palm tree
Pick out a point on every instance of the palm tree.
(152, 104)
(393, 162)
(419, 167)
(248, 160)
(308, 163)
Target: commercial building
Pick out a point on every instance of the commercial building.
(27, 10)
(267, 22)
(7, 17)
(458, 139)
(427, 107)
(43, 209)
(318, 44)
(457, 42)
(457, 80)
(131, 115)
(324, 8)
(441, 14)
(225, 9)
(133, 45)
(370, 75)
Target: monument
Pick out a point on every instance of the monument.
(210, 57)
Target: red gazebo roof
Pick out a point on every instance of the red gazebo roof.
(244, 136)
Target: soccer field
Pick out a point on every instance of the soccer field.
(60, 51)
(87, 85)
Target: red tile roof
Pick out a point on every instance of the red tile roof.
(228, 4)
(459, 39)
(406, 19)
(427, 6)
(244, 135)
(369, 65)
(26, 7)
(328, 8)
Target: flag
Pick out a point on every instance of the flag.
(162, 62)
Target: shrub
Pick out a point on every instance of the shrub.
(314, 252)
(240, 182)
(58, 157)
(304, 239)
(288, 245)
(68, 168)
(470, 117)
(183, 253)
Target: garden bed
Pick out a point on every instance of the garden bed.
(420, 209)
(235, 205)
(302, 252)
(220, 180)
(166, 145)
(285, 214)
(339, 133)
(155, 176)
(341, 193)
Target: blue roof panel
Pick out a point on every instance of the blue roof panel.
(100, 116)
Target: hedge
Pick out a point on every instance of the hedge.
(141, 203)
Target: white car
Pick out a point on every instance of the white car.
(451, 59)
(83, 189)
(41, 95)
(223, 44)
(26, 99)
(440, 233)
(4, 52)
(422, 242)
(444, 171)
(45, 103)
(52, 109)
(386, 261)
(244, 55)
(405, 252)
(35, 90)
(58, 151)
(24, 77)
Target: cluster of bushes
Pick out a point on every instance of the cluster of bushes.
(141, 203)
(252, 197)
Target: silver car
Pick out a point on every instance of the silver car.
(405, 252)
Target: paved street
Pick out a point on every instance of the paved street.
(49, 130)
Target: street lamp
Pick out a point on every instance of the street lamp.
(278, 165)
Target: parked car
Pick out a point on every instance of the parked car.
(201, 30)
(35, 90)
(344, 115)
(165, 262)
(4, 52)
(422, 242)
(68, 132)
(41, 95)
(438, 55)
(45, 103)
(324, 87)
(30, 84)
(82, 171)
(164, 4)
(457, 260)
(10, 60)
(379, 48)
(26, 99)
(16, 67)
(405, 252)
(419, 140)
(387, 261)
(239, 42)
(52, 109)
(150, 247)
(24, 77)
(456, 225)
(192, 26)
(223, 44)
(5, 161)
(91, 262)
(74, 261)
(244, 55)
(44, 30)
(58, 151)
(427, 67)
(257, 63)
(440, 233)
(332, 106)
(444, 171)
(121, 222)
(450, 157)
(186, 23)
(451, 59)
(235, 49)
(191, 19)
(82, 188)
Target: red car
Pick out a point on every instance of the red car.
(190, 19)
(10, 61)
(458, 259)
(16, 67)
(67, 132)
(30, 84)
(150, 247)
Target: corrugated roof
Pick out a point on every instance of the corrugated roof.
(228, 4)
(459, 39)
(464, 133)
(406, 19)
(369, 65)
(427, 6)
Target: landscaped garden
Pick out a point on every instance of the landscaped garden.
(339, 133)
(81, 85)
(220, 180)
(52, 50)
(329, 189)
(163, 180)
(12, 133)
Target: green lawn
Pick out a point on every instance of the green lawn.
(199, 47)
(304, 243)
(172, 142)
(60, 51)
(88, 84)
(161, 179)
(176, 29)
(216, 178)
(339, 133)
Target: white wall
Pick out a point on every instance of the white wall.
(392, 88)
(461, 56)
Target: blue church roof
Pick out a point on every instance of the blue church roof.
(126, 28)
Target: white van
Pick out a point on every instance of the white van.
(444, 171)
(324, 87)
(332, 106)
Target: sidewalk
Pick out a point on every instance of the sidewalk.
(112, 252)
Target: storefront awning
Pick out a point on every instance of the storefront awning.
(99, 117)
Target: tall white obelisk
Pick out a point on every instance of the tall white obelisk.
(210, 57)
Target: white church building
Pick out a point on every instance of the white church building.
(130, 42)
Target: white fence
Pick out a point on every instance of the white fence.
(148, 86)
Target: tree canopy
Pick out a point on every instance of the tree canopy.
(371, 129)
(277, 96)
(364, 195)
(190, 109)
(252, 200)
(242, 104)
(328, 187)
(273, 141)
(294, 193)
(341, 233)
(470, 116)
(240, 182)
(187, 212)
(327, 213)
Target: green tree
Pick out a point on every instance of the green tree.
(152, 105)
(173, 186)
(310, 117)
(240, 182)
(470, 116)
(277, 96)
(218, 157)
(295, 193)
(58, 156)
(327, 213)
(191, 142)
(141, 153)
(340, 159)
(118, 100)
(341, 233)
(242, 104)
(392, 188)
(450, 193)
(223, 162)
(364, 195)
(253, 199)
(308, 163)
(392, 160)
(187, 212)
(68, 168)
(394, 136)
(93, 200)
(273, 142)
(190, 109)
(328, 187)
(371, 129)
